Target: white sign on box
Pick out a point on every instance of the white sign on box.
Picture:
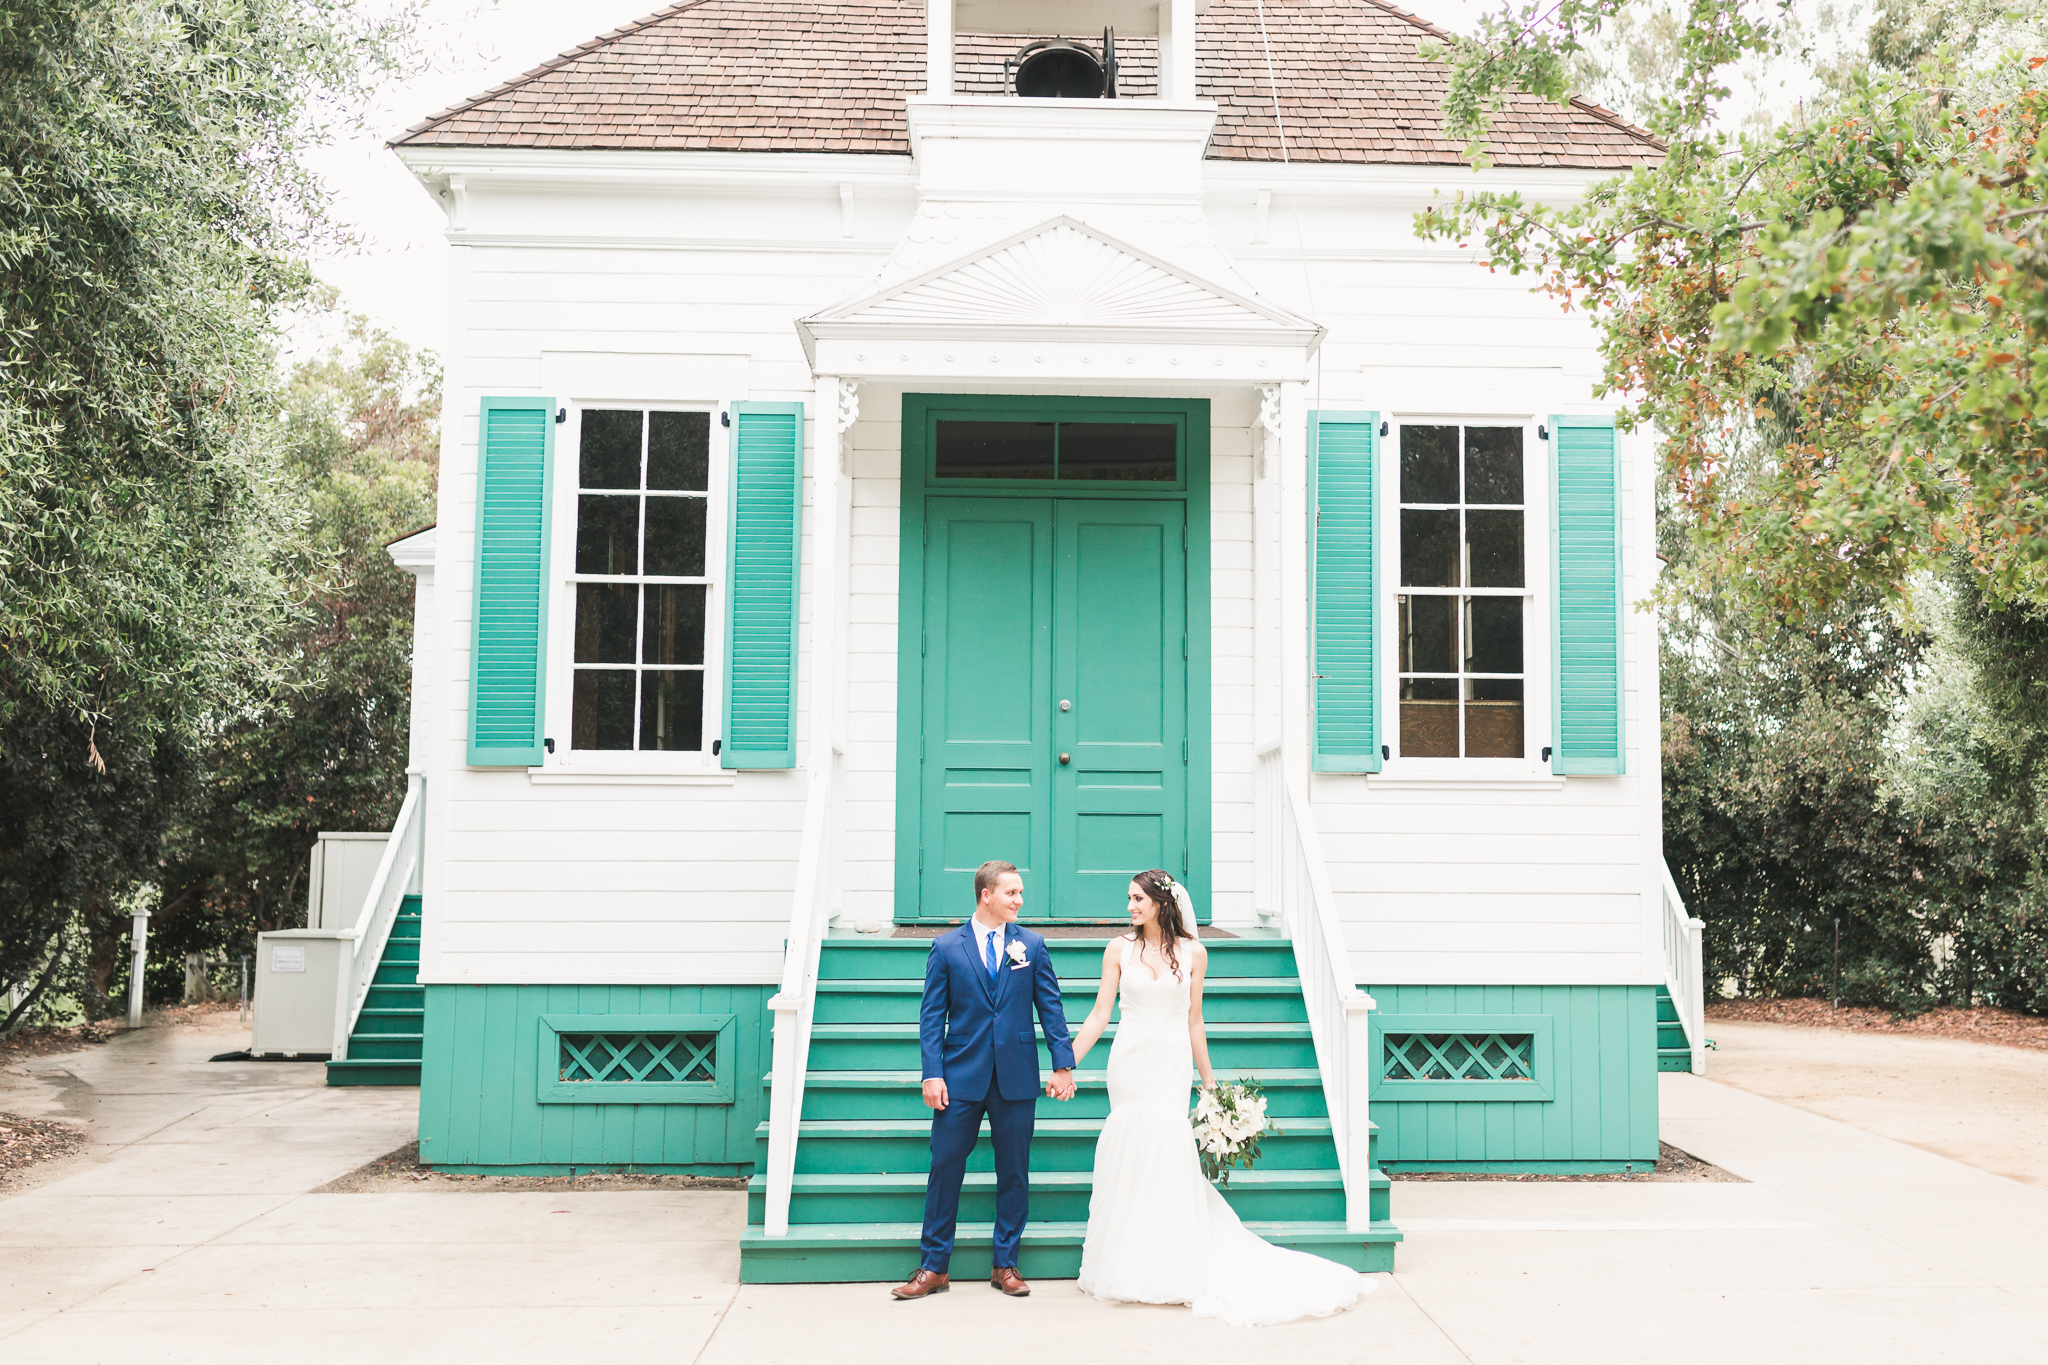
(287, 959)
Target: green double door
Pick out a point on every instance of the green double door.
(1055, 699)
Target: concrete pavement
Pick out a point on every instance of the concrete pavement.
(187, 1233)
(1976, 1102)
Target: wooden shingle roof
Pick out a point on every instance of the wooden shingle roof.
(822, 76)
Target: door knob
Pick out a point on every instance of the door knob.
(1066, 705)
(1066, 758)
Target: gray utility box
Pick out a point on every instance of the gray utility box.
(338, 876)
(301, 986)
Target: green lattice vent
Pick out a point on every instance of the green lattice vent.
(1460, 1057)
(638, 1058)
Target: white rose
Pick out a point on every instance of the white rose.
(1017, 952)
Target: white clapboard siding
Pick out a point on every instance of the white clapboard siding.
(868, 885)
(1545, 883)
(683, 966)
(1232, 650)
(594, 882)
(628, 883)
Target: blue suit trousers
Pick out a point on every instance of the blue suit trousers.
(955, 1129)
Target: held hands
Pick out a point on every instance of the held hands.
(935, 1093)
(1061, 1086)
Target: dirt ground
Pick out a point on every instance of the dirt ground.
(1985, 1104)
(1672, 1166)
(1982, 1024)
(46, 1041)
(400, 1172)
(26, 1142)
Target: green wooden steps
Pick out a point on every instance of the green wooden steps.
(846, 1047)
(863, 1145)
(1048, 1250)
(385, 1047)
(1673, 1052)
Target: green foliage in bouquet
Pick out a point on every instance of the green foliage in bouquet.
(1229, 1121)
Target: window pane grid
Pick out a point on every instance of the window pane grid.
(638, 687)
(678, 579)
(1462, 563)
(1069, 451)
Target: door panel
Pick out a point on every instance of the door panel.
(1119, 656)
(986, 738)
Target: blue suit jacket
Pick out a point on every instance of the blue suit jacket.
(975, 1030)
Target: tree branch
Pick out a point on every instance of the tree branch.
(49, 975)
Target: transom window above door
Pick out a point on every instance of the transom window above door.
(1088, 452)
(1461, 598)
(642, 509)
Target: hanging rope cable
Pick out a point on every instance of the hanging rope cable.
(1293, 200)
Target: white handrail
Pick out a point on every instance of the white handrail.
(1684, 969)
(397, 874)
(1296, 876)
(794, 1003)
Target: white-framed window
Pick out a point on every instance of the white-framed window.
(1467, 501)
(639, 540)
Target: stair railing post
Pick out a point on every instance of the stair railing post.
(1694, 931)
(344, 988)
(836, 409)
(781, 1119)
(1358, 1060)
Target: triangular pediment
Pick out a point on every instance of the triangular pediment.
(1062, 277)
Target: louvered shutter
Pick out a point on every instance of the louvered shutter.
(515, 454)
(1585, 483)
(1344, 629)
(760, 636)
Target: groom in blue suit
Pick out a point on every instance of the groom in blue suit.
(981, 984)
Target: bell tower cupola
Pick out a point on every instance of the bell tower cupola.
(1072, 52)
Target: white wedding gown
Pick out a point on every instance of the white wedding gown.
(1158, 1232)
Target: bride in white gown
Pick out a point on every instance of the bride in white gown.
(1158, 1232)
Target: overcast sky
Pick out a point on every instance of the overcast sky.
(399, 277)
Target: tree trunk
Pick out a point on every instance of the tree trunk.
(28, 1003)
(107, 937)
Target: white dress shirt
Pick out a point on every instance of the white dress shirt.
(983, 935)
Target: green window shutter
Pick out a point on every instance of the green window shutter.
(515, 457)
(760, 633)
(1585, 492)
(1344, 631)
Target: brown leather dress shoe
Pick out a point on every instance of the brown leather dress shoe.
(921, 1285)
(1010, 1282)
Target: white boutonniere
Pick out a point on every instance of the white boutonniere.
(1017, 953)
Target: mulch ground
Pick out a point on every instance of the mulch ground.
(1672, 1166)
(2006, 1028)
(401, 1172)
(26, 1142)
(40, 1041)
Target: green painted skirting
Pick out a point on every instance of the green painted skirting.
(1597, 1068)
(481, 1075)
(1507, 1168)
(717, 1172)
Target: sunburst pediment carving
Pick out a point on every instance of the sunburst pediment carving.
(1061, 277)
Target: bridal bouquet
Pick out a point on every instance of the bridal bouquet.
(1229, 1120)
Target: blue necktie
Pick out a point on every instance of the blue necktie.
(989, 942)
